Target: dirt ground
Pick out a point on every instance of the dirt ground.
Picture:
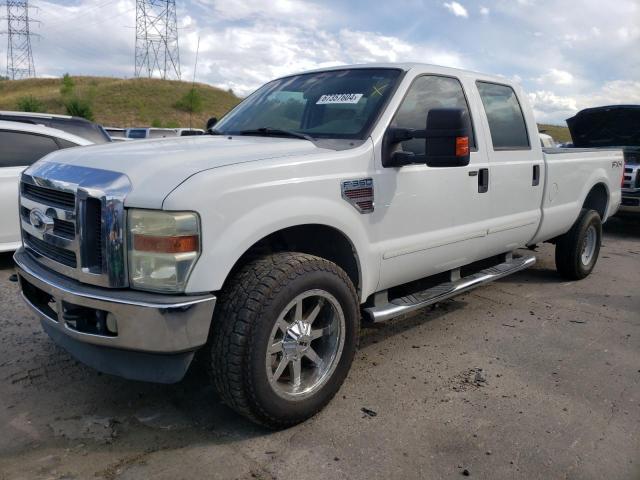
(531, 377)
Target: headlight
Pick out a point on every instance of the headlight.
(163, 248)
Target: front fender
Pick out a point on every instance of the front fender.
(220, 254)
(240, 206)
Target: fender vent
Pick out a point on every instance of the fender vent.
(359, 193)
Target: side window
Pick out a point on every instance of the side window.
(506, 120)
(22, 149)
(425, 93)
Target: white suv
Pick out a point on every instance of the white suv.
(23, 144)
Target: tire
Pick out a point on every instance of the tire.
(577, 250)
(256, 305)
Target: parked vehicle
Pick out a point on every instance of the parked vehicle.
(189, 132)
(546, 141)
(21, 145)
(615, 126)
(77, 126)
(116, 132)
(373, 190)
(142, 133)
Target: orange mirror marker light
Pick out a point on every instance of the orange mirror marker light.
(175, 244)
(462, 146)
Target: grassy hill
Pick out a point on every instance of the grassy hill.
(123, 102)
(142, 102)
(559, 133)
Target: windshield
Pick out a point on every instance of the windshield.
(332, 104)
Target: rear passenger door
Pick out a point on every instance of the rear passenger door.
(18, 150)
(516, 168)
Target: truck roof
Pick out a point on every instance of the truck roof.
(407, 66)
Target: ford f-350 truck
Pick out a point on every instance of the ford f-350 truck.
(347, 193)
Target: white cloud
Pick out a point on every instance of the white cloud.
(556, 77)
(553, 108)
(289, 11)
(566, 58)
(457, 9)
(268, 51)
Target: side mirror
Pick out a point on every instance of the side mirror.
(447, 138)
(211, 123)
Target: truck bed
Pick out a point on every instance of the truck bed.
(569, 174)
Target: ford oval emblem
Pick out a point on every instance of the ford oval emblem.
(39, 220)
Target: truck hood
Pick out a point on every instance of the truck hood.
(156, 167)
(610, 126)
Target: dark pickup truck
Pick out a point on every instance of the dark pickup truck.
(613, 126)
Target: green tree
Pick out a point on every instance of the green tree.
(79, 107)
(190, 101)
(67, 85)
(29, 104)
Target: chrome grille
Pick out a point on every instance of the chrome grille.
(64, 228)
(73, 221)
(55, 198)
(631, 177)
(58, 254)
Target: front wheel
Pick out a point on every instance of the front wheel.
(577, 250)
(283, 337)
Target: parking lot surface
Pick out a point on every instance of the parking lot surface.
(530, 377)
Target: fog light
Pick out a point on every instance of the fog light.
(112, 324)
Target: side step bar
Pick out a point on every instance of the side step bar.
(416, 301)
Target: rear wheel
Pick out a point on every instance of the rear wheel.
(577, 250)
(283, 338)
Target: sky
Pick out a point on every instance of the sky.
(567, 54)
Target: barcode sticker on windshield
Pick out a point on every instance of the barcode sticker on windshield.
(339, 98)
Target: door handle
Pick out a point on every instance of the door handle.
(483, 180)
(536, 176)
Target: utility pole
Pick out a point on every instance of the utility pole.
(19, 56)
(157, 53)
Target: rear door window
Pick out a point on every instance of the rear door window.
(505, 117)
(20, 149)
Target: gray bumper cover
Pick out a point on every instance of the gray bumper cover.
(156, 334)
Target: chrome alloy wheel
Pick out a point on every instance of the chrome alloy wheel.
(589, 245)
(305, 345)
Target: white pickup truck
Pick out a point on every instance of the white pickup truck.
(323, 198)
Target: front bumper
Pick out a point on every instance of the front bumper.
(137, 335)
(630, 202)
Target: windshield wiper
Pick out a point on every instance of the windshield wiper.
(266, 131)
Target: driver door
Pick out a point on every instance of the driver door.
(430, 219)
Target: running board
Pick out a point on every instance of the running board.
(416, 301)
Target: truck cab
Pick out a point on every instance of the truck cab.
(323, 200)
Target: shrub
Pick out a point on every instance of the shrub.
(156, 123)
(29, 104)
(79, 107)
(190, 102)
(67, 85)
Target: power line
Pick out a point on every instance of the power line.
(157, 52)
(19, 55)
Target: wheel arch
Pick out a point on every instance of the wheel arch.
(597, 199)
(317, 239)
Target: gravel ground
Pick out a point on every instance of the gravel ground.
(530, 377)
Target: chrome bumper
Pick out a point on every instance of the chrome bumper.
(630, 202)
(145, 322)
